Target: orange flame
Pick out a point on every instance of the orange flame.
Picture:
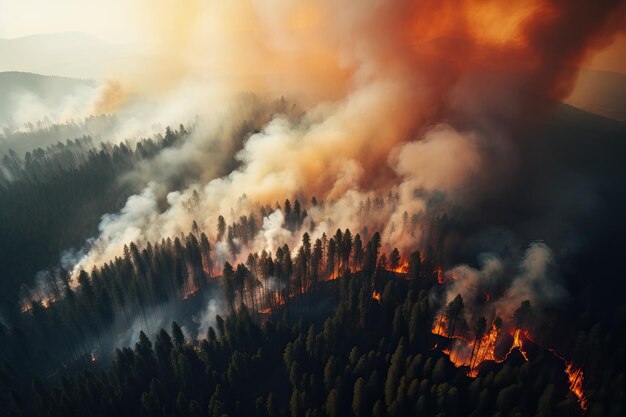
(440, 326)
(464, 352)
(274, 299)
(376, 295)
(575, 379)
(403, 268)
(45, 302)
(518, 342)
(439, 273)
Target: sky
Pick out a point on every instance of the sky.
(114, 21)
(126, 22)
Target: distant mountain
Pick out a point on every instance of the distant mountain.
(43, 86)
(600, 92)
(69, 54)
(27, 97)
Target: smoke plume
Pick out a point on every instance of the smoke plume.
(400, 98)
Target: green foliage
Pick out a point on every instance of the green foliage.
(52, 199)
(364, 358)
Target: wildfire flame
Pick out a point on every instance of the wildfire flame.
(575, 379)
(273, 300)
(439, 272)
(403, 268)
(518, 342)
(44, 302)
(471, 354)
(376, 295)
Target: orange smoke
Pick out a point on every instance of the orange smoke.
(112, 96)
(375, 76)
(326, 49)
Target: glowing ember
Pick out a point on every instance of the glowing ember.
(45, 302)
(439, 273)
(376, 295)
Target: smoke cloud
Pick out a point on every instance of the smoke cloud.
(397, 97)
(509, 282)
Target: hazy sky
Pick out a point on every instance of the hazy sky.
(109, 20)
(123, 21)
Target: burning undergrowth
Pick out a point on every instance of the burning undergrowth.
(492, 312)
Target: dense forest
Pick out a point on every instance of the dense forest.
(367, 356)
(56, 196)
(262, 208)
(337, 328)
(206, 323)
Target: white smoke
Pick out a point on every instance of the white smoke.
(509, 282)
(207, 318)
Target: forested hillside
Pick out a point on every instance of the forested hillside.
(338, 328)
(51, 199)
(328, 208)
(374, 356)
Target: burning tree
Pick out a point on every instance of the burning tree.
(394, 259)
(479, 331)
(455, 316)
(415, 265)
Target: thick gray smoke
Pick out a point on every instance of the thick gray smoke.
(499, 286)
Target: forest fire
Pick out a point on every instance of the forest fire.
(462, 351)
(575, 379)
(403, 268)
(316, 152)
(272, 300)
(471, 354)
(45, 302)
(440, 326)
(439, 273)
(518, 342)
